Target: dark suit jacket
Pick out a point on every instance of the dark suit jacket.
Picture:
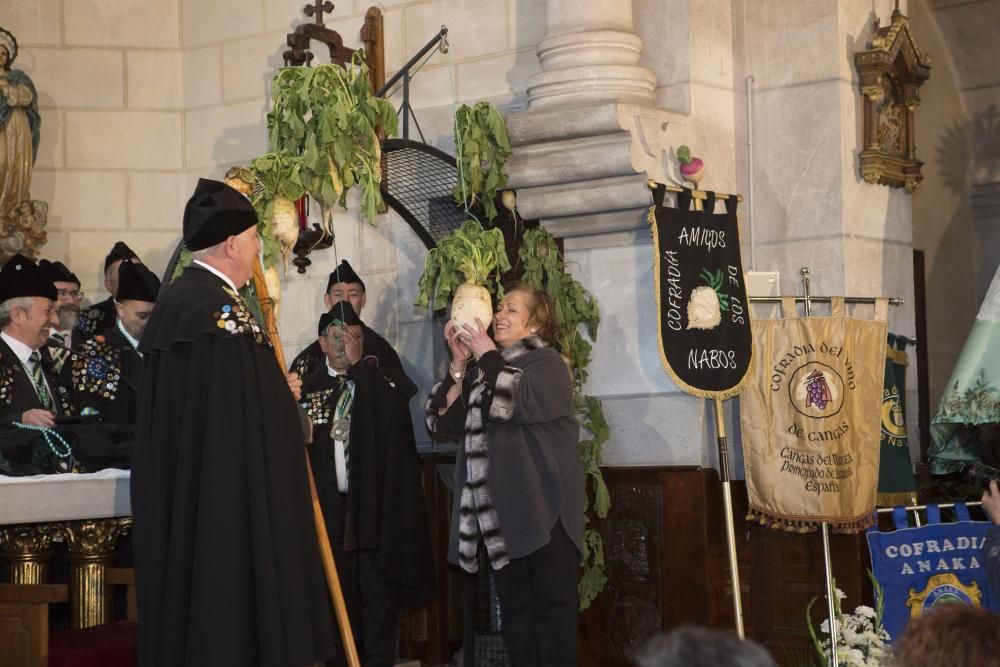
(17, 392)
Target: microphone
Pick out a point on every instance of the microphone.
(100, 361)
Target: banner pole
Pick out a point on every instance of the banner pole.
(727, 502)
(830, 593)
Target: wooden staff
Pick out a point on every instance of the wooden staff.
(326, 551)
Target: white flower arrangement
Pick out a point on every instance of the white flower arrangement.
(861, 639)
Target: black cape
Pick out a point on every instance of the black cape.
(384, 509)
(105, 376)
(228, 568)
(377, 351)
(97, 319)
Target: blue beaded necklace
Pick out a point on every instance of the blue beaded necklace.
(49, 434)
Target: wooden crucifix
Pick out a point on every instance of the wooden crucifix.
(318, 10)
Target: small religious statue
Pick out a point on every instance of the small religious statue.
(22, 220)
(890, 74)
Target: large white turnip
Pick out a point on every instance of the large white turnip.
(285, 225)
(471, 301)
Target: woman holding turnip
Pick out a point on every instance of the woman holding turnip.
(519, 483)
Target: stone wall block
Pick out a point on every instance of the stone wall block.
(82, 200)
(33, 22)
(123, 139)
(626, 358)
(57, 74)
(155, 79)
(226, 135)
(500, 77)
(123, 23)
(249, 65)
(157, 199)
(202, 71)
(775, 30)
(797, 169)
(51, 146)
(654, 430)
(212, 22)
(475, 27)
(378, 252)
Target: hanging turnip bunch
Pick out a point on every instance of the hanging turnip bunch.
(463, 264)
(277, 187)
(327, 118)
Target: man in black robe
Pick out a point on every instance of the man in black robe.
(30, 392)
(101, 316)
(346, 285)
(228, 567)
(66, 336)
(105, 373)
(368, 479)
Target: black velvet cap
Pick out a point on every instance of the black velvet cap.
(137, 283)
(58, 272)
(344, 274)
(214, 213)
(343, 312)
(22, 277)
(119, 251)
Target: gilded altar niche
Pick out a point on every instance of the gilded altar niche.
(890, 74)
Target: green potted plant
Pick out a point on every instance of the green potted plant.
(326, 119)
(483, 148)
(463, 264)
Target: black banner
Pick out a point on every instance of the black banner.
(704, 317)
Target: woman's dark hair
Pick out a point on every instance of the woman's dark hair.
(541, 311)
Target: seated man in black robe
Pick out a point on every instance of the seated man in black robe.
(100, 317)
(346, 285)
(227, 560)
(30, 392)
(368, 479)
(105, 373)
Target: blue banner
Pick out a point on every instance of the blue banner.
(919, 568)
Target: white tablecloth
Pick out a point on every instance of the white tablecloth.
(70, 497)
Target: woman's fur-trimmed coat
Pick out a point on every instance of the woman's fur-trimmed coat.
(518, 471)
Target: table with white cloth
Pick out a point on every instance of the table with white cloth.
(87, 511)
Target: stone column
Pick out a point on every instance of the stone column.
(590, 113)
(589, 54)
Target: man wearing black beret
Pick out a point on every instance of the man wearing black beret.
(227, 561)
(101, 316)
(30, 392)
(105, 373)
(344, 284)
(66, 336)
(368, 480)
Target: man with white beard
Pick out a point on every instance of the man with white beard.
(67, 308)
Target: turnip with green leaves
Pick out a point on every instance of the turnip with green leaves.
(463, 264)
(692, 168)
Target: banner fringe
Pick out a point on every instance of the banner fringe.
(775, 521)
